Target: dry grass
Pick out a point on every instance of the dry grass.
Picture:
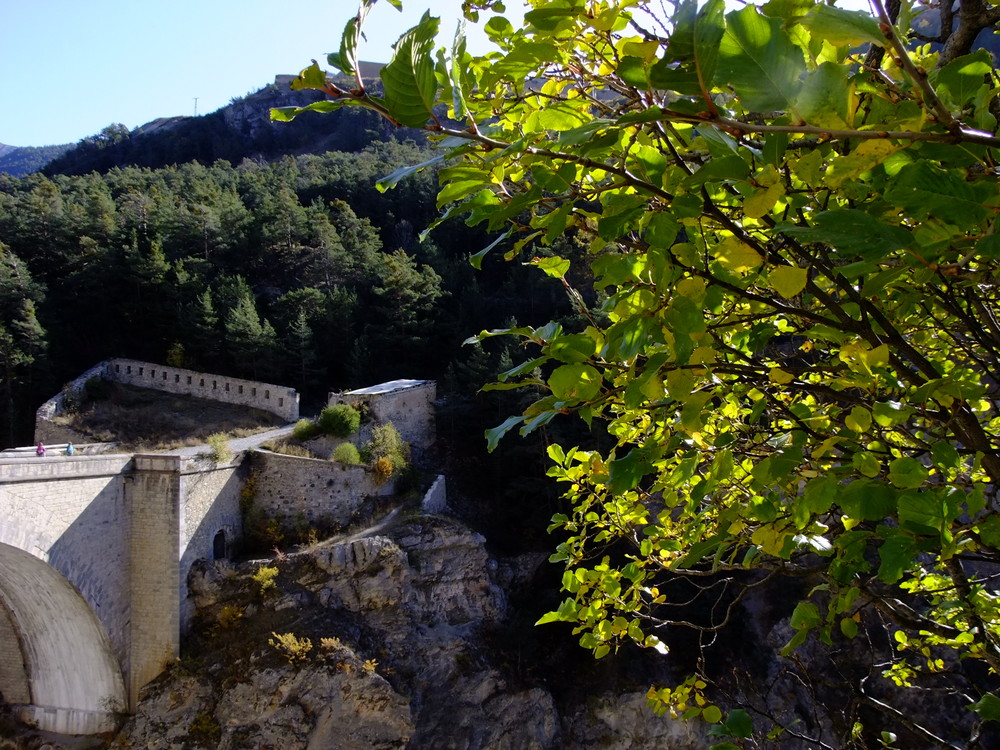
(289, 448)
(140, 419)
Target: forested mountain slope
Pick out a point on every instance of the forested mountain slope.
(297, 272)
(240, 130)
(19, 161)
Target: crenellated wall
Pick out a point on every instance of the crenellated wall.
(276, 399)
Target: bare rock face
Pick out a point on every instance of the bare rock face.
(621, 722)
(380, 640)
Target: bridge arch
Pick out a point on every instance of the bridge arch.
(57, 667)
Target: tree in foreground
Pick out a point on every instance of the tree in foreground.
(792, 336)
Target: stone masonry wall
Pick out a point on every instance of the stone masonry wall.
(277, 399)
(408, 404)
(153, 514)
(13, 680)
(68, 512)
(320, 492)
(210, 504)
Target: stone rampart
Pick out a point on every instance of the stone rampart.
(48, 431)
(320, 492)
(276, 399)
(408, 404)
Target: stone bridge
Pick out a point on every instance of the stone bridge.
(94, 556)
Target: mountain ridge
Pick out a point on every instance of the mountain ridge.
(240, 130)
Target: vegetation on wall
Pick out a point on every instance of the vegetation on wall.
(777, 225)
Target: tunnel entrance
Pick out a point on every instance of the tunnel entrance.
(57, 668)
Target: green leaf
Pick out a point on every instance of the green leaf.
(712, 714)
(896, 554)
(988, 707)
(573, 348)
(926, 190)
(690, 62)
(843, 27)
(958, 82)
(347, 59)
(989, 531)
(287, 114)
(759, 60)
(925, 513)
(409, 80)
(787, 281)
(312, 77)
(477, 260)
(576, 382)
(866, 463)
(907, 473)
(805, 615)
(493, 435)
(890, 413)
(456, 70)
(859, 420)
(852, 232)
(824, 99)
(391, 180)
(849, 627)
(553, 266)
(739, 724)
(626, 472)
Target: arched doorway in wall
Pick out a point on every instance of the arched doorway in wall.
(59, 671)
(219, 546)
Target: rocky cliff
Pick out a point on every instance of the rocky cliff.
(385, 639)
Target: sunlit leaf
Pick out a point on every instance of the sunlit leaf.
(759, 60)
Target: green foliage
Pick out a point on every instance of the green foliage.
(218, 447)
(264, 578)
(787, 313)
(339, 420)
(175, 355)
(229, 617)
(293, 648)
(306, 429)
(387, 454)
(346, 453)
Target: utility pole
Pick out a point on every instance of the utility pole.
(196, 106)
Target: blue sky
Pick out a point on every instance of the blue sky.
(68, 68)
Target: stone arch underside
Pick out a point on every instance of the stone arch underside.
(68, 671)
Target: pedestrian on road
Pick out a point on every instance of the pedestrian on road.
(40, 450)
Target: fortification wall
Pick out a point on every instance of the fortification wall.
(408, 404)
(320, 492)
(210, 506)
(48, 431)
(276, 399)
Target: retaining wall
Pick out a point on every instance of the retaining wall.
(318, 491)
